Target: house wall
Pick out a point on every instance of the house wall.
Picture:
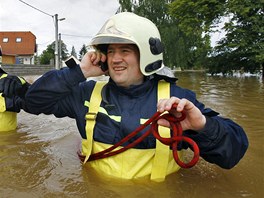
(20, 45)
(8, 59)
(25, 60)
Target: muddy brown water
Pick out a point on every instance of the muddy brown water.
(39, 159)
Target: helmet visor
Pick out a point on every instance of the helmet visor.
(110, 39)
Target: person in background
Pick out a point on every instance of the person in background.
(128, 48)
(12, 92)
(10, 106)
(8, 120)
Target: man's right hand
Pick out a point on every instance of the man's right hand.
(90, 64)
(11, 85)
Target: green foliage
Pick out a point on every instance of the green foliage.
(82, 52)
(243, 45)
(48, 55)
(180, 49)
(73, 52)
(197, 16)
(185, 27)
(195, 20)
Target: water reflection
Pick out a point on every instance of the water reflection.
(39, 158)
(241, 99)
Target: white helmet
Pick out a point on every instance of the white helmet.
(128, 27)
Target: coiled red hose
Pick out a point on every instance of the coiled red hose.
(177, 137)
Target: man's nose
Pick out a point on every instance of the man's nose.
(117, 57)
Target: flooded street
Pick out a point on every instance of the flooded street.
(39, 159)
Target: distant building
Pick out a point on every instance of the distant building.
(18, 47)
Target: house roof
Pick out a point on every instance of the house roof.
(18, 43)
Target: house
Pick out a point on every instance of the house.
(18, 47)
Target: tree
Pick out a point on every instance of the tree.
(73, 52)
(185, 27)
(173, 39)
(47, 56)
(82, 52)
(243, 45)
(197, 17)
(196, 20)
(181, 49)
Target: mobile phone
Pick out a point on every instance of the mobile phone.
(72, 62)
(103, 65)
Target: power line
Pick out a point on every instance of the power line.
(35, 8)
(76, 35)
(55, 20)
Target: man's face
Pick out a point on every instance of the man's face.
(123, 63)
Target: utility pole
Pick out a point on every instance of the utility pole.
(56, 52)
(0, 55)
(60, 53)
(56, 43)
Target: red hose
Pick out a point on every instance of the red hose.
(177, 137)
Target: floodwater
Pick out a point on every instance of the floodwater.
(39, 159)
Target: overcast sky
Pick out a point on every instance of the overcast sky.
(83, 19)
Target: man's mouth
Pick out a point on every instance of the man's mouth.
(119, 68)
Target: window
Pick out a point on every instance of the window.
(19, 60)
(5, 40)
(18, 39)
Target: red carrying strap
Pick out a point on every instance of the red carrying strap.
(177, 137)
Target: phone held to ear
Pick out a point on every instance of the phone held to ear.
(72, 61)
(103, 65)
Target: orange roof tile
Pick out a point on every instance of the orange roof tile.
(18, 43)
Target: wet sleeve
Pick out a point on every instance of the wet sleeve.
(55, 92)
(222, 141)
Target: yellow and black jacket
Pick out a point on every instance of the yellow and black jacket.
(66, 92)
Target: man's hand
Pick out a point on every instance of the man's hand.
(90, 64)
(194, 120)
(11, 85)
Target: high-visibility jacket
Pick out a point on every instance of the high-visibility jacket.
(133, 163)
(64, 92)
(8, 120)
